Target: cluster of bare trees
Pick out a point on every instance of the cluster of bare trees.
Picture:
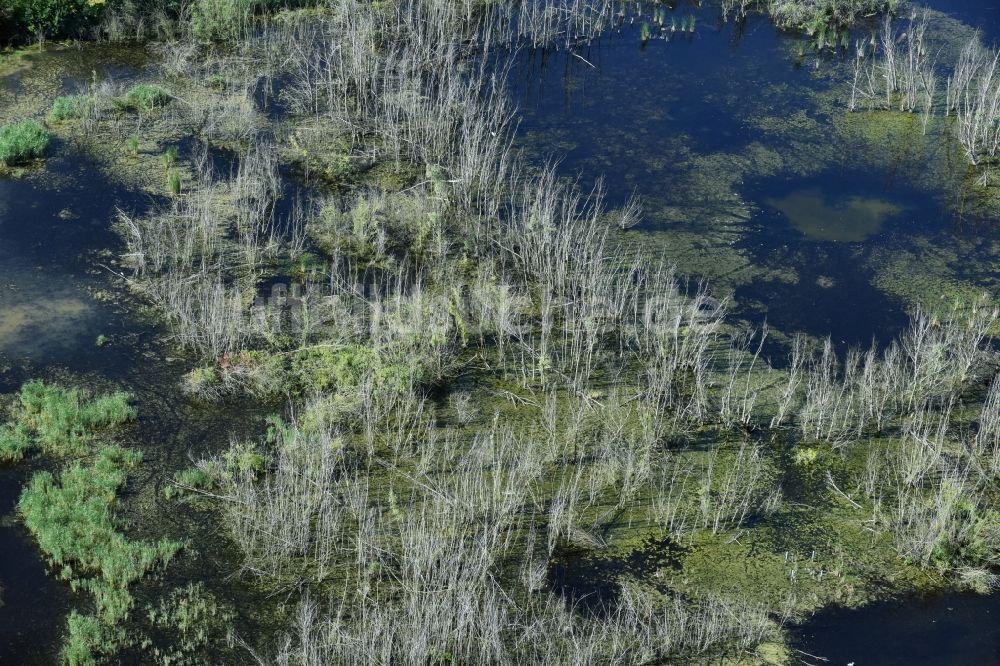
(420, 539)
(900, 70)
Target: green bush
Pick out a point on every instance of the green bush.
(54, 18)
(147, 96)
(22, 141)
(68, 107)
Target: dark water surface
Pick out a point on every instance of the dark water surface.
(754, 177)
(56, 298)
(949, 630)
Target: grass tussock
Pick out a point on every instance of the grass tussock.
(68, 107)
(22, 142)
(147, 96)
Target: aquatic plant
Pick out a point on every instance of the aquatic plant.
(68, 107)
(903, 76)
(60, 422)
(221, 19)
(173, 182)
(22, 141)
(71, 517)
(147, 96)
(811, 16)
(194, 620)
(170, 157)
(617, 399)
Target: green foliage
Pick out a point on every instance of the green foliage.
(200, 380)
(194, 477)
(170, 156)
(87, 637)
(805, 456)
(147, 96)
(193, 619)
(55, 18)
(173, 182)
(68, 107)
(15, 440)
(72, 520)
(221, 19)
(327, 368)
(60, 421)
(22, 141)
(814, 16)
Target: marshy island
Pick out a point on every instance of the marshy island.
(489, 332)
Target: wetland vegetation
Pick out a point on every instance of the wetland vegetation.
(419, 341)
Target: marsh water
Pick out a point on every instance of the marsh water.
(753, 180)
(57, 251)
(752, 177)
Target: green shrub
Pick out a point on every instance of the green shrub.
(22, 141)
(68, 107)
(147, 96)
(53, 19)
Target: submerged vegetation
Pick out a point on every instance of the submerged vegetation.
(483, 383)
